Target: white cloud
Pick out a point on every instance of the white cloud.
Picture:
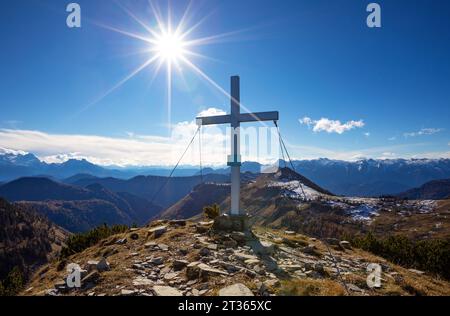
(139, 150)
(331, 126)
(306, 121)
(367, 134)
(432, 155)
(211, 112)
(391, 139)
(424, 131)
(130, 150)
(12, 152)
(126, 151)
(388, 155)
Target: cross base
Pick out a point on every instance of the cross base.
(232, 223)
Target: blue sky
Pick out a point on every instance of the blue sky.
(387, 87)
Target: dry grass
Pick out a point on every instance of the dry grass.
(311, 287)
(121, 276)
(404, 282)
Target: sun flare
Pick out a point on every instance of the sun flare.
(170, 47)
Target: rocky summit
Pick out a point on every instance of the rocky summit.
(168, 259)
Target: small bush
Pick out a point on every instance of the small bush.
(79, 242)
(13, 283)
(212, 211)
(429, 255)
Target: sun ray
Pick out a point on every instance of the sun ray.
(195, 26)
(129, 34)
(157, 16)
(170, 44)
(184, 18)
(169, 92)
(191, 53)
(216, 85)
(219, 38)
(138, 20)
(181, 74)
(121, 82)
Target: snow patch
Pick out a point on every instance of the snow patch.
(293, 190)
(363, 212)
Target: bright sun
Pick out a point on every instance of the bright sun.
(170, 47)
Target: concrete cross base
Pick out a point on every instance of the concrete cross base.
(227, 223)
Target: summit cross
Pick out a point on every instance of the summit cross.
(235, 118)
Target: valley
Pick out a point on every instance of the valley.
(303, 227)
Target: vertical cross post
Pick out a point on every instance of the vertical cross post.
(235, 118)
(235, 158)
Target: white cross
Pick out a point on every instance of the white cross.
(235, 119)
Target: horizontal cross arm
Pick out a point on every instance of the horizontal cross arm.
(257, 117)
(213, 120)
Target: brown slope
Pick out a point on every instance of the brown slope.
(287, 267)
(81, 216)
(79, 209)
(433, 190)
(256, 195)
(193, 203)
(27, 240)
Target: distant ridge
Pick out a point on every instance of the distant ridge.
(287, 174)
(433, 190)
(364, 177)
(40, 189)
(147, 187)
(76, 208)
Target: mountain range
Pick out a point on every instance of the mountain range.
(288, 200)
(366, 177)
(78, 208)
(14, 165)
(284, 201)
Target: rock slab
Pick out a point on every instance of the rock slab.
(237, 289)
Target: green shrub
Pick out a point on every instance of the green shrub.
(79, 242)
(212, 211)
(13, 283)
(429, 255)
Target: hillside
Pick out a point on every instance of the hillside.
(373, 177)
(277, 201)
(193, 203)
(27, 240)
(40, 189)
(80, 216)
(189, 259)
(433, 190)
(207, 194)
(79, 209)
(147, 186)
